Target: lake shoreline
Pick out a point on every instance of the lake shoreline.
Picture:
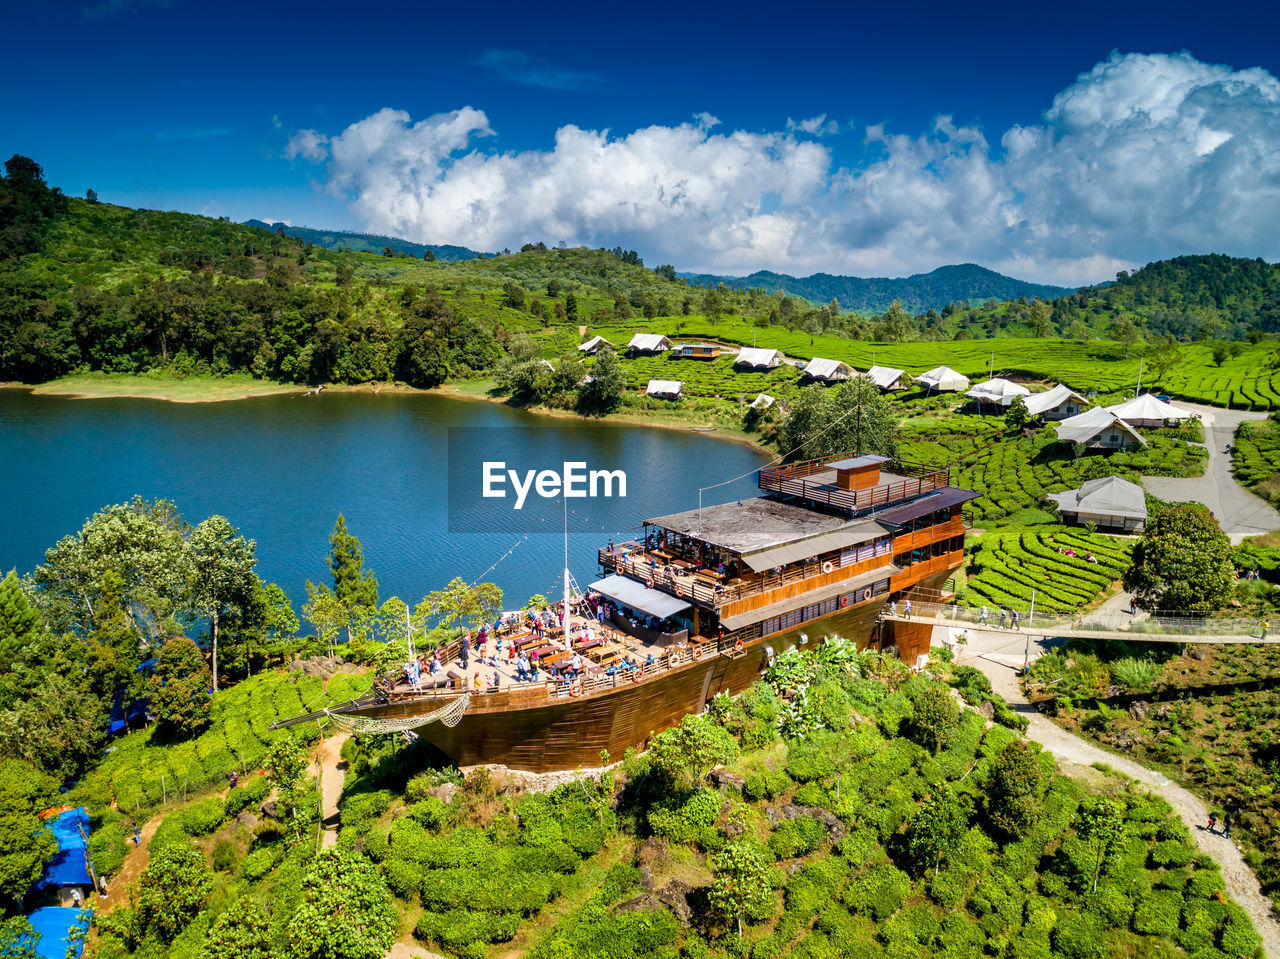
(196, 390)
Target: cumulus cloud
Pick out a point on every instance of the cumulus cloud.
(1144, 156)
(818, 126)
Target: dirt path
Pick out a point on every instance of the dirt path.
(332, 774)
(136, 858)
(999, 654)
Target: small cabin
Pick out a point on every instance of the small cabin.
(858, 472)
(664, 389)
(827, 371)
(751, 358)
(696, 351)
(1099, 430)
(651, 343)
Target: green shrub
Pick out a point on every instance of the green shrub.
(247, 795)
(376, 846)
(797, 837)
(170, 832)
(225, 855)
(1157, 914)
(1137, 675)
(1238, 936)
(403, 878)
(359, 811)
(1079, 936)
(107, 847)
(459, 928)
(682, 823)
(430, 813)
(879, 892)
(769, 784)
(202, 818)
(259, 863)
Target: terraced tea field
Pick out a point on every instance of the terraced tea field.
(1016, 472)
(135, 773)
(1008, 564)
(1255, 458)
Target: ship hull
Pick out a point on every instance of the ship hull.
(568, 733)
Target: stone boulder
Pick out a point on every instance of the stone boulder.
(724, 780)
(1139, 710)
(675, 896)
(247, 820)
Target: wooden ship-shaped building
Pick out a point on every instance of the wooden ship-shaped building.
(696, 607)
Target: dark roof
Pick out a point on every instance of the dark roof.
(753, 524)
(738, 620)
(858, 462)
(942, 499)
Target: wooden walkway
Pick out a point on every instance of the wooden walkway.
(1092, 625)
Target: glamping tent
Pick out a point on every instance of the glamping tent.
(1148, 410)
(594, 344)
(664, 389)
(997, 393)
(1099, 429)
(885, 377)
(829, 371)
(649, 343)
(1056, 404)
(944, 379)
(762, 402)
(1109, 502)
(758, 359)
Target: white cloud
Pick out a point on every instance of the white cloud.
(1144, 156)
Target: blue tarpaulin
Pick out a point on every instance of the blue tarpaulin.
(55, 924)
(68, 867)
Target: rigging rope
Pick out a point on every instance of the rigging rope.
(450, 714)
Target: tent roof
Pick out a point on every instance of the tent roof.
(663, 386)
(639, 596)
(822, 369)
(944, 378)
(1148, 407)
(751, 356)
(1085, 426)
(592, 343)
(883, 376)
(1038, 403)
(68, 867)
(54, 923)
(1110, 496)
(763, 400)
(649, 341)
(998, 390)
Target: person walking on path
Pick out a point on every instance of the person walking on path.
(1015, 619)
(983, 620)
(1002, 617)
(907, 607)
(1213, 821)
(1226, 825)
(1265, 626)
(137, 834)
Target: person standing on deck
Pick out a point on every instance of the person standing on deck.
(465, 652)
(907, 607)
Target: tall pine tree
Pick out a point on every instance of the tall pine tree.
(353, 585)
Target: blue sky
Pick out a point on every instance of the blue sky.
(1058, 143)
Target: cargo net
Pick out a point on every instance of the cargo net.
(449, 714)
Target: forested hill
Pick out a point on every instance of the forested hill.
(918, 293)
(369, 242)
(1212, 288)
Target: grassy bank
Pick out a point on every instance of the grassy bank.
(192, 389)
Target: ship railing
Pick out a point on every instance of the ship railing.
(827, 494)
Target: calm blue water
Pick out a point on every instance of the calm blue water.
(281, 468)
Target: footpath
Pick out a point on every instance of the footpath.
(1000, 654)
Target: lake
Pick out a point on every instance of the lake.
(281, 468)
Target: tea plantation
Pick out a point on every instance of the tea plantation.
(1255, 457)
(862, 814)
(1006, 565)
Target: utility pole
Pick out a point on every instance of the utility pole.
(1138, 391)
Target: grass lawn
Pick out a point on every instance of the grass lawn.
(193, 389)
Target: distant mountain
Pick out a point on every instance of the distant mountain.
(370, 242)
(919, 293)
(1189, 291)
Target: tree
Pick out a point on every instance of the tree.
(571, 307)
(91, 195)
(896, 323)
(57, 726)
(325, 612)
(741, 885)
(286, 768)
(1040, 316)
(179, 690)
(854, 416)
(1221, 350)
(18, 938)
(458, 606)
(1017, 417)
(935, 831)
(1100, 823)
(936, 719)
(1014, 786)
(346, 910)
(222, 583)
(353, 585)
(25, 842)
(19, 622)
(173, 889)
(1125, 332)
(684, 754)
(242, 932)
(608, 382)
(1163, 355)
(1182, 562)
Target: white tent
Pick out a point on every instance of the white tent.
(1148, 410)
(945, 380)
(1109, 501)
(1098, 428)
(594, 344)
(649, 343)
(885, 377)
(1057, 403)
(999, 391)
(758, 358)
(829, 370)
(762, 402)
(664, 389)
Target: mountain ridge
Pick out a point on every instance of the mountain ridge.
(919, 292)
(369, 242)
